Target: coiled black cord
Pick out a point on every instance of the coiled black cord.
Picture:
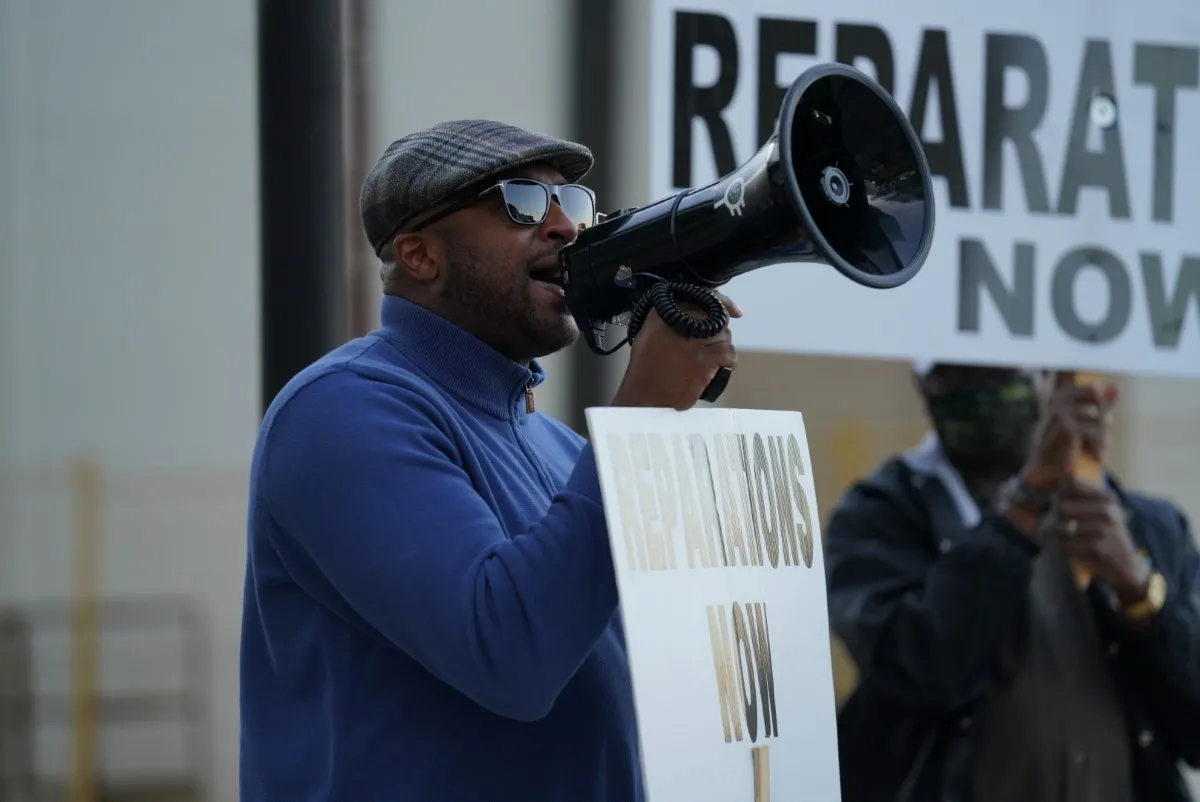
(663, 297)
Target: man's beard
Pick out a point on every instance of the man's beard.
(500, 311)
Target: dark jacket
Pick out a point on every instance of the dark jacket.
(925, 605)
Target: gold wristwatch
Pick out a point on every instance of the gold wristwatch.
(1151, 603)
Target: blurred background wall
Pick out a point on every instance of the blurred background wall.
(129, 320)
(130, 337)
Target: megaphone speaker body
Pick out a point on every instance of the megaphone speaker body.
(843, 181)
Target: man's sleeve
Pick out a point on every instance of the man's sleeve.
(369, 490)
(922, 627)
(1166, 654)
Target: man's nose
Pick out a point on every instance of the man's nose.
(558, 226)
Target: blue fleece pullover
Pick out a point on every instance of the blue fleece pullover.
(430, 607)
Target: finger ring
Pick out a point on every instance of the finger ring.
(1072, 526)
(1091, 411)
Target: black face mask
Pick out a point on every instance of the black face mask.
(990, 424)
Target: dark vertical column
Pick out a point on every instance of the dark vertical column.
(593, 112)
(301, 188)
(362, 266)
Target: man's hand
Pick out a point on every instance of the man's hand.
(669, 369)
(1091, 530)
(1077, 421)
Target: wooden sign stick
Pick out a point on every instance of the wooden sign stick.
(762, 773)
(1088, 469)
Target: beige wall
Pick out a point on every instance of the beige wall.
(128, 149)
(1162, 435)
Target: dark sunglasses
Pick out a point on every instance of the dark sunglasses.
(527, 203)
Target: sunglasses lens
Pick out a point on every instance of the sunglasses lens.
(578, 205)
(527, 202)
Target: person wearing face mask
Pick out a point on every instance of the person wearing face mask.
(985, 672)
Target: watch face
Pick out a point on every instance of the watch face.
(1158, 590)
(1156, 593)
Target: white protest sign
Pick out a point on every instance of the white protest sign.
(717, 547)
(1061, 137)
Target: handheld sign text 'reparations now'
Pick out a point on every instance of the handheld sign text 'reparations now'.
(717, 549)
(1067, 188)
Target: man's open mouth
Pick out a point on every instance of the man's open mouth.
(549, 275)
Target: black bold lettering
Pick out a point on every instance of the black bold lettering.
(743, 468)
(1166, 69)
(804, 527)
(1168, 311)
(760, 637)
(690, 508)
(1016, 124)
(1082, 167)
(977, 272)
(776, 37)
(945, 157)
(789, 539)
(707, 489)
(728, 454)
(692, 30)
(765, 503)
(727, 666)
(1062, 295)
(746, 674)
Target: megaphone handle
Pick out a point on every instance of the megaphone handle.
(717, 386)
(660, 297)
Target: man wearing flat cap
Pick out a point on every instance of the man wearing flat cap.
(430, 605)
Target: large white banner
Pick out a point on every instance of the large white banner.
(1062, 136)
(717, 546)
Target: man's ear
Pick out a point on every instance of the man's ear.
(419, 256)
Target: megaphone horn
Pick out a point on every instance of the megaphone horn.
(843, 180)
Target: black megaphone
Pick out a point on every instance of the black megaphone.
(843, 181)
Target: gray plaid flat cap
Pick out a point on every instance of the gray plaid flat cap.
(431, 166)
